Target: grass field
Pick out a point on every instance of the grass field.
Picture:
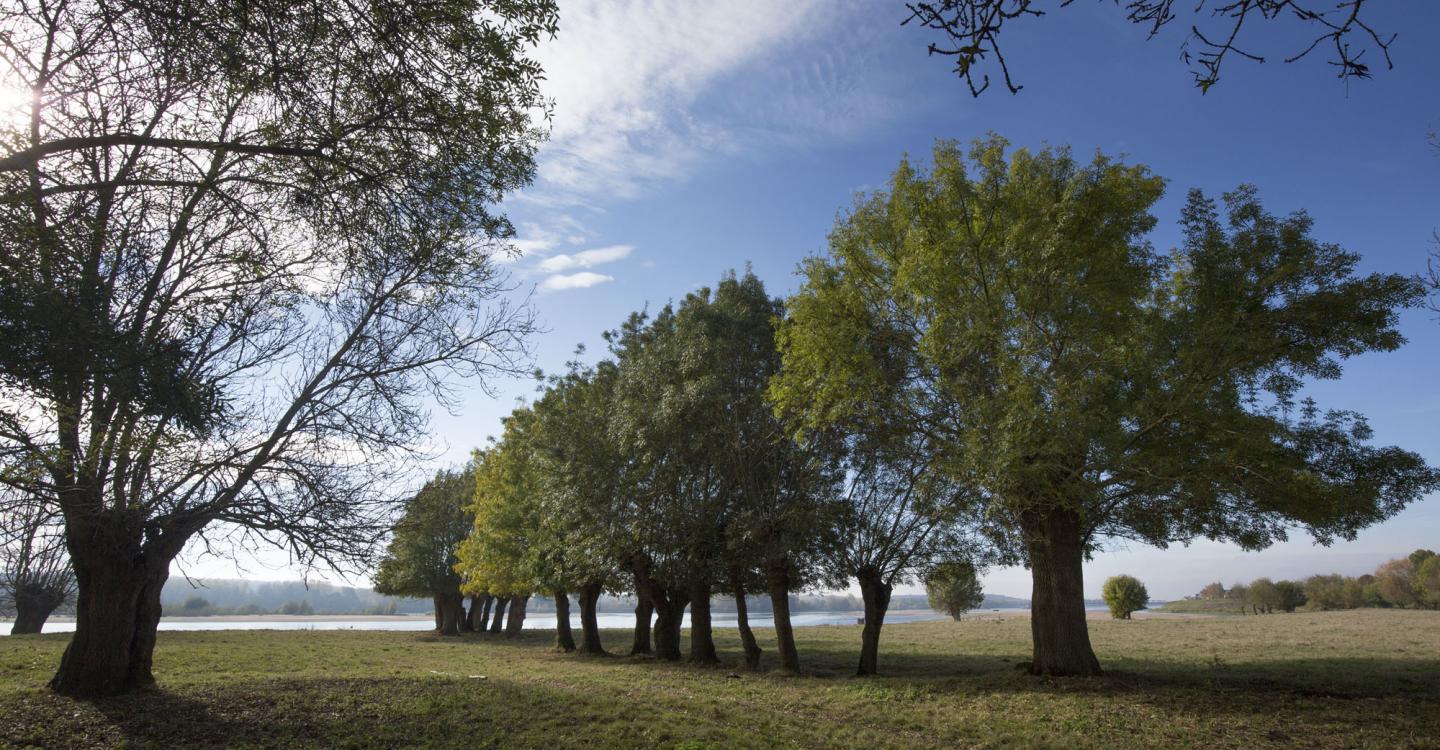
(1367, 678)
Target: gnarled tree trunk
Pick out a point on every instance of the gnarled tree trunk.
(517, 615)
(589, 622)
(475, 618)
(117, 609)
(564, 639)
(33, 606)
(669, 607)
(876, 593)
(742, 618)
(485, 614)
(777, 580)
(1054, 539)
(702, 639)
(644, 613)
(499, 620)
(450, 610)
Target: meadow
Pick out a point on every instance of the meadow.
(1363, 678)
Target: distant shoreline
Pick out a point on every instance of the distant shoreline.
(977, 614)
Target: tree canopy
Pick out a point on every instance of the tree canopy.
(421, 558)
(1008, 306)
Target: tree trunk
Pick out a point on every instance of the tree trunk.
(485, 614)
(644, 613)
(1054, 540)
(742, 618)
(475, 618)
(777, 580)
(589, 623)
(669, 616)
(564, 639)
(117, 608)
(876, 593)
(702, 639)
(517, 615)
(451, 608)
(499, 622)
(438, 603)
(33, 605)
(669, 607)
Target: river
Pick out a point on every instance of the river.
(536, 621)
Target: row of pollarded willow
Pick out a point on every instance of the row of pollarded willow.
(665, 472)
(1009, 307)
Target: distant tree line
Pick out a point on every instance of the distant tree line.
(1410, 582)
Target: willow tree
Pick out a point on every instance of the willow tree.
(496, 556)
(35, 575)
(420, 560)
(903, 518)
(578, 544)
(243, 248)
(1091, 387)
(674, 527)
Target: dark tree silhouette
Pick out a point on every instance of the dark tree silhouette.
(35, 575)
(242, 248)
(973, 28)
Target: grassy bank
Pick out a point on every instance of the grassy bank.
(1368, 678)
(1202, 606)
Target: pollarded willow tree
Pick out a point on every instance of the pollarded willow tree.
(1091, 387)
(497, 556)
(421, 557)
(580, 475)
(242, 247)
(35, 574)
(903, 518)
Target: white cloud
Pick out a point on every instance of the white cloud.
(580, 280)
(586, 259)
(629, 77)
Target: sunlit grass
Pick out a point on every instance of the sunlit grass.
(1367, 678)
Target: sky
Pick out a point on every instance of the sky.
(691, 138)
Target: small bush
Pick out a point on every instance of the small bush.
(1124, 595)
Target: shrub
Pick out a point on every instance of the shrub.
(1124, 595)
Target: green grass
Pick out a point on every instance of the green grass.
(1203, 606)
(1368, 678)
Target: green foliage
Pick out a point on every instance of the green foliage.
(1427, 580)
(1329, 592)
(1291, 595)
(420, 560)
(953, 588)
(297, 608)
(1009, 303)
(496, 556)
(1124, 595)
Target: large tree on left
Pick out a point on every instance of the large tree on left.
(241, 247)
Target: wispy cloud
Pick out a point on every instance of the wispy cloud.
(586, 259)
(579, 280)
(635, 86)
(647, 94)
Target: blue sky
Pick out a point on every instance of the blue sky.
(689, 139)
